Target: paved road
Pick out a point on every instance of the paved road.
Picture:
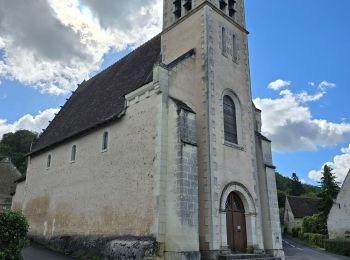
(296, 251)
(35, 252)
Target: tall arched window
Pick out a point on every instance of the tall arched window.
(230, 122)
(105, 141)
(73, 153)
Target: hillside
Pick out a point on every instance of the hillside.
(284, 188)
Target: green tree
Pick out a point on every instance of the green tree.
(296, 187)
(16, 146)
(329, 190)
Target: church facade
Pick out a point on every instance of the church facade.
(163, 147)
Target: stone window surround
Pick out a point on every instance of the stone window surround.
(229, 43)
(239, 120)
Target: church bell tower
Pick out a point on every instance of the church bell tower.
(205, 52)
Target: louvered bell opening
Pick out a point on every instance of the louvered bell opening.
(223, 5)
(231, 8)
(177, 11)
(188, 5)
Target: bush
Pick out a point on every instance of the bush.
(338, 246)
(296, 231)
(13, 234)
(315, 224)
(314, 239)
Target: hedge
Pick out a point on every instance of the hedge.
(338, 246)
(314, 239)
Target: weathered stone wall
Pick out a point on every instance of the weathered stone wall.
(339, 216)
(170, 19)
(102, 192)
(19, 196)
(182, 184)
(268, 196)
(201, 82)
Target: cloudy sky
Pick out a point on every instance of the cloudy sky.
(299, 55)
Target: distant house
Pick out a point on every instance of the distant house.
(297, 208)
(8, 176)
(339, 216)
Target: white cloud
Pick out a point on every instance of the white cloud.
(278, 84)
(51, 45)
(340, 165)
(33, 123)
(325, 85)
(305, 97)
(288, 122)
(311, 83)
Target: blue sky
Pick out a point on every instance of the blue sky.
(302, 43)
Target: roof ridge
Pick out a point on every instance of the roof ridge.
(121, 59)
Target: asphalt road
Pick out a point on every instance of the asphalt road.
(297, 251)
(35, 252)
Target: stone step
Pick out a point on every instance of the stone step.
(247, 256)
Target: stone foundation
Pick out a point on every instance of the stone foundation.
(126, 247)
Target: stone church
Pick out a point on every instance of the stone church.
(162, 150)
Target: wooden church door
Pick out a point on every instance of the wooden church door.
(235, 222)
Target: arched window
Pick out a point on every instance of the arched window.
(230, 122)
(73, 153)
(105, 141)
(48, 163)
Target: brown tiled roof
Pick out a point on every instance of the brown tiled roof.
(102, 98)
(302, 207)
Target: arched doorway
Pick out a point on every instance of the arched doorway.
(236, 223)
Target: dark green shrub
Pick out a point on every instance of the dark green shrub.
(315, 224)
(338, 246)
(296, 231)
(13, 235)
(314, 239)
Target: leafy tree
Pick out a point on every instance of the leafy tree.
(315, 224)
(281, 196)
(329, 190)
(16, 146)
(297, 188)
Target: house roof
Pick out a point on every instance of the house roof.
(8, 175)
(302, 206)
(101, 99)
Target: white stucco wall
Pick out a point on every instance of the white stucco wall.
(290, 221)
(339, 216)
(102, 192)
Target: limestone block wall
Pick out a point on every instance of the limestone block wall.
(230, 162)
(339, 216)
(182, 183)
(109, 192)
(169, 17)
